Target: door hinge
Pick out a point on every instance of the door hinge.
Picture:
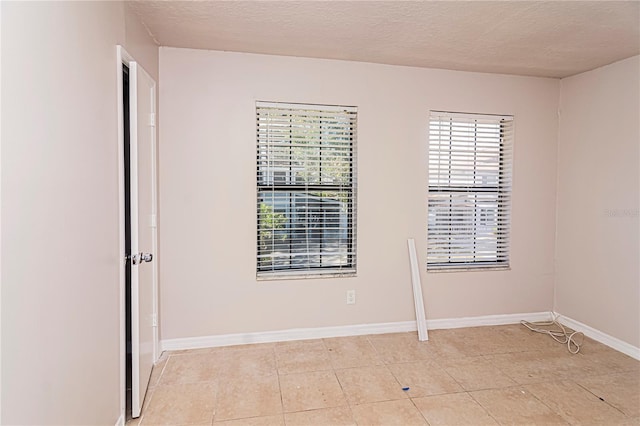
(154, 320)
(153, 220)
(152, 119)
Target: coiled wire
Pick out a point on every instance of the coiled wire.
(560, 335)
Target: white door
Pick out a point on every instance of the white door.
(143, 231)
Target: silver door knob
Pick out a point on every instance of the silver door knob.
(137, 259)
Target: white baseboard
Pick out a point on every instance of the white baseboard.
(339, 331)
(286, 335)
(439, 324)
(120, 421)
(599, 336)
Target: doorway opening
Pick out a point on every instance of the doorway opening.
(127, 233)
(139, 344)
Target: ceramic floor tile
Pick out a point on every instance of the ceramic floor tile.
(400, 347)
(539, 366)
(369, 384)
(443, 345)
(254, 421)
(475, 341)
(605, 360)
(589, 345)
(453, 409)
(516, 406)
(424, 378)
(314, 380)
(188, 368)
(349, 352)
(300, 357)
(575, 404)
(620, 390)
(309, 391)
(630, 421)
(337, 416)
(246, 396)
(476, 373)
(388, 413)
(180, 405)
(250, 362)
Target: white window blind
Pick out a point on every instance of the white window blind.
(306, 189)
(470, 159)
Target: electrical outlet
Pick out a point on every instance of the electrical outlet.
(351, 297)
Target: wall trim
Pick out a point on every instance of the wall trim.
(440, 324)
(599, 336)
(286, 335)
(346, 330)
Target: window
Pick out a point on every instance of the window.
(469, 190)
(306, 189)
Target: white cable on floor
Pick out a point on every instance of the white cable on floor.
(560, 336)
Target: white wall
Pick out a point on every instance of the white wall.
(207, 192)
(60, 255)
(598, 256)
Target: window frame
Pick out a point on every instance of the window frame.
(291, 187)
(479, 193)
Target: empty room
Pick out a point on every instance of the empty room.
(320, 213)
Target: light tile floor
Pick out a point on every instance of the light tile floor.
(468, 376)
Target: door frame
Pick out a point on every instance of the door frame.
(124, 58)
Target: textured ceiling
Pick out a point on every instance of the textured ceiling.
(551, 39)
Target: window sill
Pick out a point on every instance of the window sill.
(305, 276)
(471, 269)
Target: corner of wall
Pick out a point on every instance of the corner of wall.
(557, 198)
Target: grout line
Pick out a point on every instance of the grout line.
(380, 357)
(343, 392)
(601, 398)
(420, 412)
(215, 395)
(275, 358)
(486, 410)
(398, 382)
(497, 367)
(452, 378)
(544, 403)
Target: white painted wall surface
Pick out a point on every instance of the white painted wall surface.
(207, 192)
(598, 255)
(60, 259)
